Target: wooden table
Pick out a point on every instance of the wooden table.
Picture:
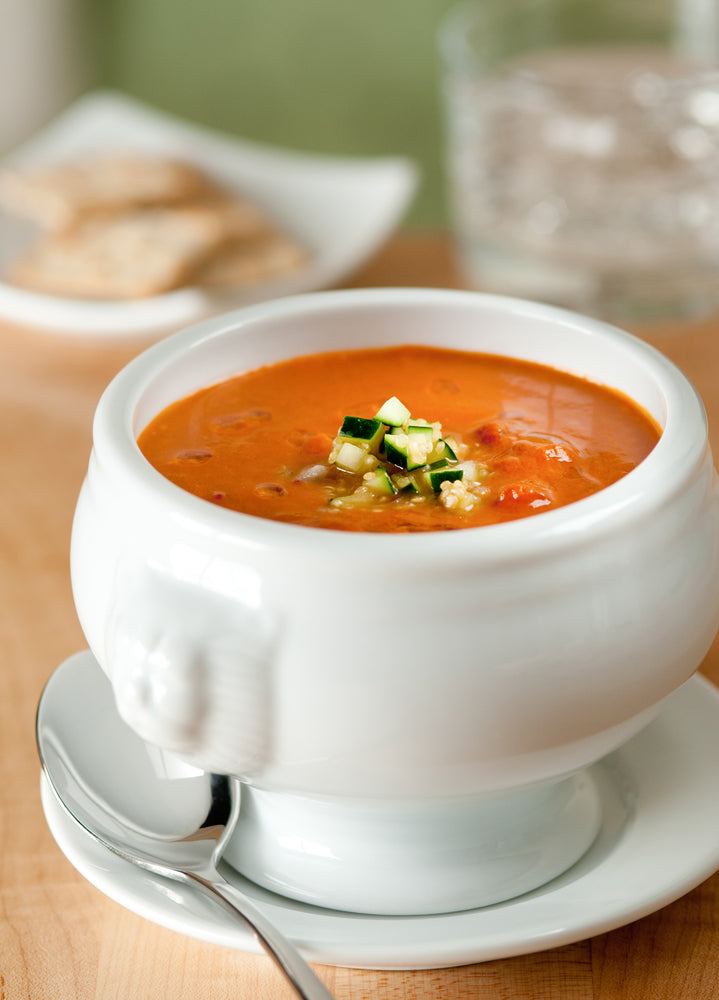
(60, 937)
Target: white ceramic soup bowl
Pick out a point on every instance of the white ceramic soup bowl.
(413, 715)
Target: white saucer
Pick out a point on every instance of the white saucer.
(659, 839)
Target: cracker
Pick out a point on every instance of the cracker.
(132, 255)
(60, 195)
(246, 262)
(241, 218)
(124, 227)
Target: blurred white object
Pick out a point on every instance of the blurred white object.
(583, 152)
(44, 63)
(341, 209)
(697, 31)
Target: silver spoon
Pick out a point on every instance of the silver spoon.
(104, 777)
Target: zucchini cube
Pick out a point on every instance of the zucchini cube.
(446, 475)
(380, 483)
(369, 430)
(351, 457)
(393, 412)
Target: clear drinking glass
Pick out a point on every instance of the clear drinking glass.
(583, 151)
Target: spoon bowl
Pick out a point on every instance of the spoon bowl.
(169, 819)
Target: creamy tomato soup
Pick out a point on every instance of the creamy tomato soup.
(398, 439)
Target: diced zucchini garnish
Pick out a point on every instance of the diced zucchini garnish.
(447, 475)
(395, 453)
(442, 452)
(351, 457)
(404, 484)
(360, 498)
(407, 451)
(419, 428)
(418, 449)
(395, 449)
(379, 482)
(421, 483)
(367, 429)
(393, 412)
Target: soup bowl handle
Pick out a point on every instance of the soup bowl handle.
(191, 674)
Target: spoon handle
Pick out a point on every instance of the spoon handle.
(289, 961)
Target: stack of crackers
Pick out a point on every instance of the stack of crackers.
(129, 227)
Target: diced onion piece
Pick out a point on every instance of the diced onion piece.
(472, 470)
(311, 472)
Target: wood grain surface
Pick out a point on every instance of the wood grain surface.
(61, 938)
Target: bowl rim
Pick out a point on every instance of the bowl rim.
(623, 503)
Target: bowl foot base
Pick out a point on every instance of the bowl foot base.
(413, 857)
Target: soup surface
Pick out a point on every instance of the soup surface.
(522, 438)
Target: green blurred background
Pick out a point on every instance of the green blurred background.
(341, 77)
